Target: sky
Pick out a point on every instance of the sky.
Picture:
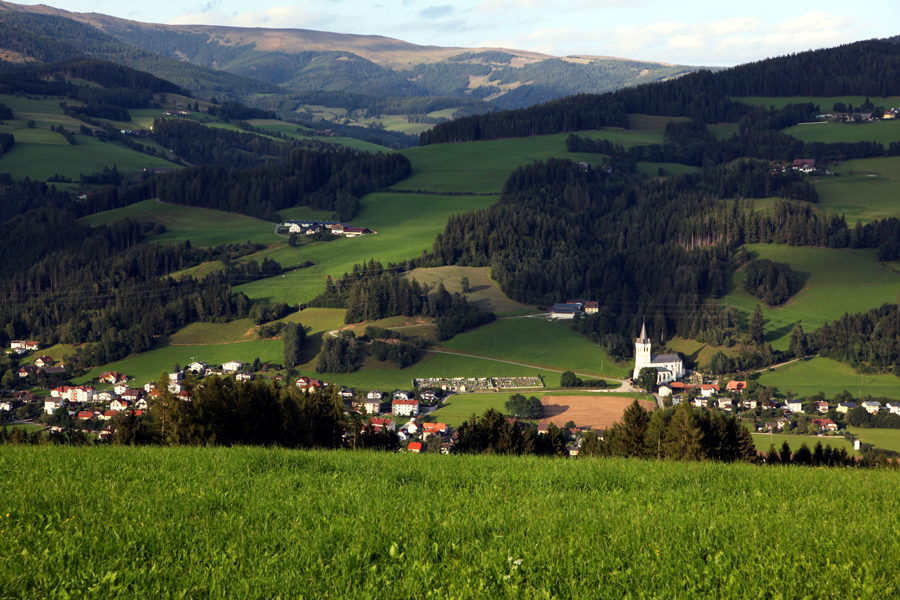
(689, 32)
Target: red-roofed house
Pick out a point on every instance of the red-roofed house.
(736, 386)
(44, 361)
(85, 414)
(825, 424)
(709, 389)
(429, 429)
(378, 424)
(415, 447)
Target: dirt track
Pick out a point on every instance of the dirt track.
(599, 411)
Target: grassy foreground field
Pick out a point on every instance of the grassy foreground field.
(259, 523)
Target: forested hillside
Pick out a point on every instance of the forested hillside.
(862, 68)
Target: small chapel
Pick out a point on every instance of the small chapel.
(669, 367)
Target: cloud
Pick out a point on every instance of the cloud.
(723, 42)
(436, 12)
(277, 17)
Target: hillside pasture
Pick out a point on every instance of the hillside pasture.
(485, 292)
(882, 132)
(255, 522)
(809, 377)
(595, 411)
(483, 167)
(148, 365)
(202, 226)
(859, 197)
(831, 282)
(40, 153)
(536, 341)
(406, 225)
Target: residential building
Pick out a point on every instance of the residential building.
(872, 406)
(405, 408)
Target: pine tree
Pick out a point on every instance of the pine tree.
(684, 437)
(756, 326)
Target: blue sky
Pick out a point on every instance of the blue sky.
(696, 33)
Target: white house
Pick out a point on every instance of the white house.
(374, 395)
(872, 407)
(405, 408)
(893, 408)
(669, 367)
(372, 407)
(233, 365)
(794, 406)
(51, 405)
(119, 405)
(198, 367)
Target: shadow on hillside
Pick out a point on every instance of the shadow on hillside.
(692, 360)
(775, 334)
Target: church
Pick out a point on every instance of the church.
(669, 367)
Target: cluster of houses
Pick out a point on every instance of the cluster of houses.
(709, 395)
(314, 227)
(474, 384)
(42, 364)
(864, 117)
(570, 308)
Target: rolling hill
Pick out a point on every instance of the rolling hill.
(303, 60)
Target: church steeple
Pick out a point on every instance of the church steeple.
(643, 339)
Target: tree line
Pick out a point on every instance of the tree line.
(324, 180)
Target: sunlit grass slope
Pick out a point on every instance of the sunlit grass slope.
(833, 282)
(809, 377)
(202, 226)
(262, 523)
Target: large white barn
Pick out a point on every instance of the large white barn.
(669, 367)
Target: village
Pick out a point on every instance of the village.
(96, 408)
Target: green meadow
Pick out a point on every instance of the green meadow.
(833, 282)
(40, 153)
(825, 103)
(406, 225)
(268, 523)
(536, 341)
(883, 439)
(387, 377)
(483, 167)
(459, 407)
(483, 292)
(147, 366)
(764, 441)
(882, 132)
(809, 377)
(202, 226)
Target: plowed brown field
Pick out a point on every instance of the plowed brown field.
(598, 412)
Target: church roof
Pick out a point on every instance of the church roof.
(643, 339)
(665, 358)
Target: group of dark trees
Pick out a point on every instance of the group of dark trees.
(773, 282)
(371, 292)
(492, 433)
(324, 180)
(520, 407)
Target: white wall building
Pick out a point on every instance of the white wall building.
(669, 367)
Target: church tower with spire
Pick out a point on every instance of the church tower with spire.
(642, 357)
(669, 367)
